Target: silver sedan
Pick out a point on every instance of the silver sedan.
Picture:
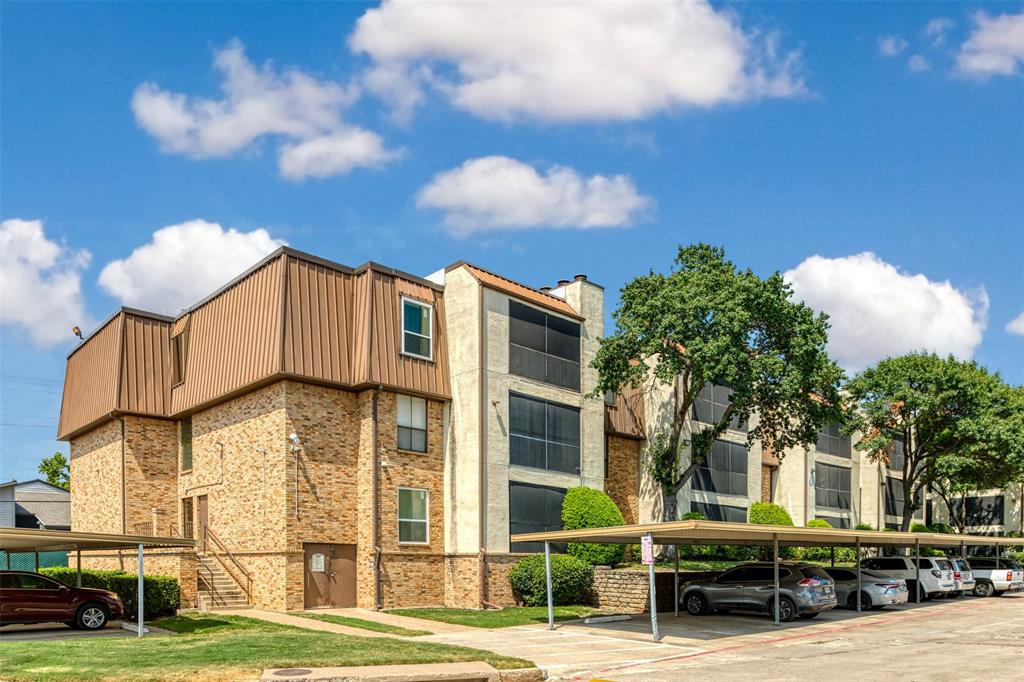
(876, 590)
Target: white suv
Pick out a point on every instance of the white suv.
(994, 578)
(936, 574)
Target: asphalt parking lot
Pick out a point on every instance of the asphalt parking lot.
(939, 640)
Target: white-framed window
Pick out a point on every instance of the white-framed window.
(413, 527)
(412, 423)
(417, 329)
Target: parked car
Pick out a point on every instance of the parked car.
(27, 597)
(963, 576)
(804, 590)
(936, 574)
(877, 591)
(992, 577)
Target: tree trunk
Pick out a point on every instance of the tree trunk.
(669, 512)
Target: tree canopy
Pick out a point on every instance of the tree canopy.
(56, 470)
(708, 321)
(961, 428)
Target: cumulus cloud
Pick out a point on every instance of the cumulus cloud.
(1016, 325)
(258, 102)
(994, 48)
(878, 311)
(41, 296)
(496, 192)
(571, 61)
(935, 30)
(891, 46)
(918, 64)
(182, 264)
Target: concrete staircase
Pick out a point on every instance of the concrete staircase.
(217, 589)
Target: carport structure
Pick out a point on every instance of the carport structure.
(698, 532)
(32, 540)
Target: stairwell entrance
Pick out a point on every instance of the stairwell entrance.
(330, 576)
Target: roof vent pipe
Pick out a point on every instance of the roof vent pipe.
(562, 282)
(580, 278)
(545, 289)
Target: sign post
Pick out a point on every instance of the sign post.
(647, 557)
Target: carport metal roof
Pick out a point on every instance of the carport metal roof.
(32, 540)
(724, 533)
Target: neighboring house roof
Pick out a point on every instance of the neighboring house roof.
(39, 504)
(513, 288)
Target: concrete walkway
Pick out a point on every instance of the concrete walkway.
(300, 622)
(433, 626)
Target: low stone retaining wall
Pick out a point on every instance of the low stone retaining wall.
(627, 590)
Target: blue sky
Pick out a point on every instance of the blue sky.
(875, 155)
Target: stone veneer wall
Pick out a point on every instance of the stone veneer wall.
(622, 479)
(628, 590)
(151, 475)
(499, 591)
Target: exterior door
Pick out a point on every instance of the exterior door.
(330, 572)
(204, 518)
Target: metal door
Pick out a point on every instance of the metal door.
(330, 575)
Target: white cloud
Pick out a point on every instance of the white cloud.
(936, 29)
(334, 154)
(995, 46)
(1016, 325)
(918, 64)
(571, 61)
(257, 102)
(878, 311)
(891, 46)
(41, 295)
(496, 192)
(182, 264)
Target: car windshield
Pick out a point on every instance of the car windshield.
(814, 572)
(944, 565)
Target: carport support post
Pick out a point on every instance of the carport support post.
(676, 583)
(547, 573)
(832, 555)
(919, 597)
(858, 576)
(78, 567)
(775, 566)
(654, 595)
(142, 597)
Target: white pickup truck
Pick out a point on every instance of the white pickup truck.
(992, 577)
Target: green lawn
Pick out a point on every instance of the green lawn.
(364, 624)
(215, 647)
(493, 618)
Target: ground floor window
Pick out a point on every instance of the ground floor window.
(835, 521)
(412, 516)
(186, 517)
(720, 512)
(534, 509)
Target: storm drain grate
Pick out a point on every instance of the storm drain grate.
(292, 672)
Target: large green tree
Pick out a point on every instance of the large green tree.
(961, 427)
(708, 321)
(56, 470)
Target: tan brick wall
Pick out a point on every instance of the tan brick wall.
(622, 480)
(462, 581)
(151, 476)
(499, 591)
(766, 483)
(96, 480)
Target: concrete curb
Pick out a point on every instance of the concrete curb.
(428, 672)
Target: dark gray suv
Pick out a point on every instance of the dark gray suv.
(805, 590)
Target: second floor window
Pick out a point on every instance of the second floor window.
(543, 435)
(417, 329)
(832, 441)
(412, 423)
(982, 511)
(711, 403)
(896, 455)
(543, 347)
(186, 443)
(831, 486)
(723, 471)
(893, 496)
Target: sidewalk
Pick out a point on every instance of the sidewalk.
(307, 623)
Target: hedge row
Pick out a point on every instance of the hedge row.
(161, 592)
(572, 580)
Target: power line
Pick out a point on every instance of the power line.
(27, 426)
(21, 378)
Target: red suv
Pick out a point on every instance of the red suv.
(32, 598)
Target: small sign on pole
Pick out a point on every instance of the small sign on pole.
(647, 550)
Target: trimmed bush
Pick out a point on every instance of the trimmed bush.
(589, 508)
(709, 552)
(769, 514)
(843, 554)
(863, 526)
(572, 580)
(161, 592)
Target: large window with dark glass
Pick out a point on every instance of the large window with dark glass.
(831, 486)
(543, 347)
(710, 404)
(832, 441)
(543, 435)
(896, 455)
(835, 521)
(724, 470)
(720, 512)
(893, 496)
(534, 509)
(981, 511)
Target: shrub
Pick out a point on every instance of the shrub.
(843, 554)
(589, 508)
(769, 514)
(572, 580)
(708, 552)
(161, 592)
(863, 526)
(943, 528)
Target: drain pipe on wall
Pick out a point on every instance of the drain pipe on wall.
(378, 598)
(482, 483)
(124, 483)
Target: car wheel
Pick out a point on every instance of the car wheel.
(865, 601)
(696, 604)
(91, 617)
(983, 590)
(787, 609)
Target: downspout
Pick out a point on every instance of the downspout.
(378, 598)
(124, 483)
(482, 483)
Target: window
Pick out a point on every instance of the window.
(751, 574)
(720, 512)
(16, 581)
(412, 516)
(835, 521)
(177, 359)
(896, 455)
(710, 404)
(724, 471)
(186, 444)
(543, 435)
(831, 486)
(609, 398)
(543, 347)
(186, 517)
(885, 564)
(412, 423)
(981, 511)
(534, 509)
(893, 496)
(832, 441)
(417, 329)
